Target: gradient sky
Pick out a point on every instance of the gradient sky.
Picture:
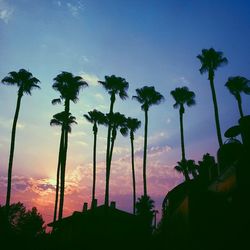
(148, 42)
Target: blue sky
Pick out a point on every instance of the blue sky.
(146, 42)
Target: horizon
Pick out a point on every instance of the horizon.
(145, 42)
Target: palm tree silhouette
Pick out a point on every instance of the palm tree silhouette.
(115, 121)
(147, 96)
(182, 168)
(25, 82)
(237, 85)
(69, 87)
(211, 60)
(192, 168)
(131, 125)
(95, 117)
(182, 96)
(58, 120)
(114, 86)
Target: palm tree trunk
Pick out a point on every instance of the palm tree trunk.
(94, 165)
(216, 112)
(182, 134)
(12, 147)
(112, 101)
(145, 154)
(64, 158)
(240, 106)
(133, 170)
(109, 166)
(58, 174)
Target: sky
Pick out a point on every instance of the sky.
(147, 42)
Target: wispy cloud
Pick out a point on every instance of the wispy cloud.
(99, 96)
(8, 124)
(91, 79)
(182, 80)
(75, 8)
(6, 11)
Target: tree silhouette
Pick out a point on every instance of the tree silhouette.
(58, 120)
(95, 117)
(115, 121)
(182, 168)
(114, 86)
(25, 223)
(237, 85)
(147, 96)
(145, 211)
(25, 82)
(211, 60)
(69, 87)
(207, 168)
(192, 168)
(183, 96)
(131, 125)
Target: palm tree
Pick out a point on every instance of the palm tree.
(182, 168)
(116, 121)
(95, 117)
(236, 85)
(58, 120)
(182, 96)
(114, 86)
(25, 82)
(69, 87)
(192, 168)
(145, 211)
(131, 125)
(147, 96)
(211, 60)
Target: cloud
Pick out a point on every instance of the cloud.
(8, 124)
(91, 79)
(99, 96)
(182, 80)
(6, 11)
(75, 9)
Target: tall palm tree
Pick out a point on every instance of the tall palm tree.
(114, 86)
(115, 121)
(182, 168)
(131, 125)
(58, 120)
(147, 96)
(95, 117)
(211, 60)
(25, 82)
(69, 87)
(182, 96)
(237, 85)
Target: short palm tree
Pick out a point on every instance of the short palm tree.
(95, 117)
(145, 211)
(183, 96)
(192, 168)
(69, 87)
(211, 60)
(25, 82)
(58, 120)
(114, 86)
(182, 168)
(147, 96)
(131, 125)
(237, 85)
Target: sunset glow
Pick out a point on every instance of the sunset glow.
(152, 43)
